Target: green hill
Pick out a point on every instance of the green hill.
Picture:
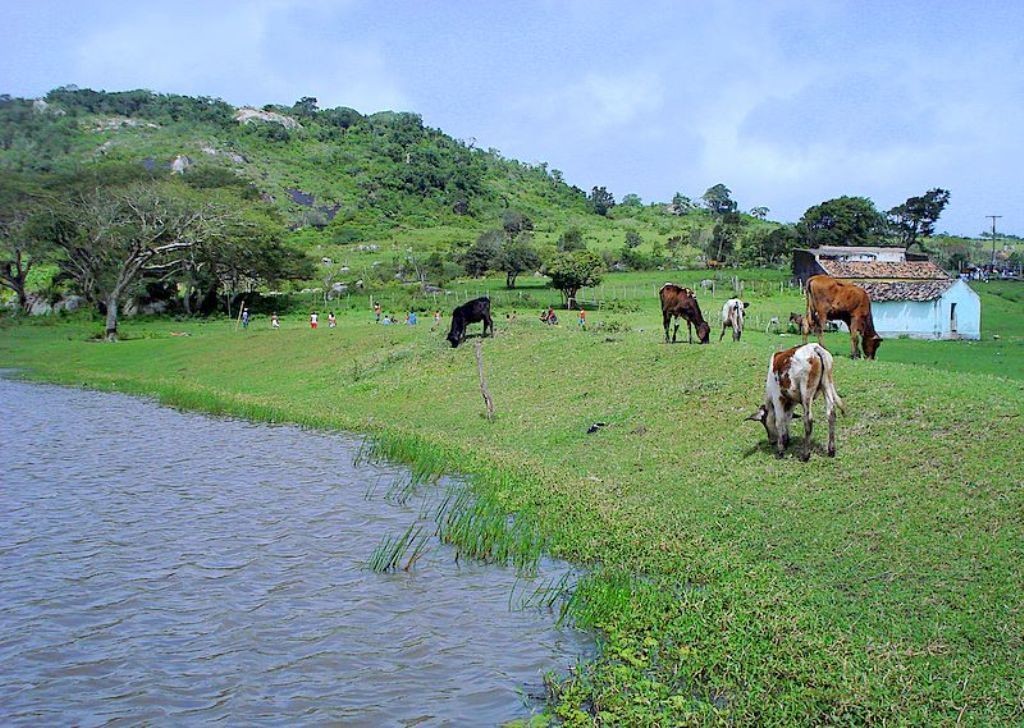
(339, 177)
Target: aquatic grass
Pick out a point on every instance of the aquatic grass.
(391, 551)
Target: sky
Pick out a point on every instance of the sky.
(787, 102)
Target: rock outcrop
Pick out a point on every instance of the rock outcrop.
(249, 115)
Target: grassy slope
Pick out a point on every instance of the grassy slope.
(884, 584)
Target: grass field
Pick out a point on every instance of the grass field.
(883, 586)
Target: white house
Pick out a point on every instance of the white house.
(913, 298)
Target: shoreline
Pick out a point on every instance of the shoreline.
(711, 559)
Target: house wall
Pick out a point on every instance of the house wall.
(931, 319)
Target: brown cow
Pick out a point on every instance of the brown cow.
(681, 303)
(829, 299)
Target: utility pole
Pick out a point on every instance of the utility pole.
(994, 217)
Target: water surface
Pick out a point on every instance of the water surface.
(159, 566)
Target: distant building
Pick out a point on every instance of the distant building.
(910, 296)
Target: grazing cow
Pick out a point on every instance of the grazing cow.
(797, 319)
(732, 315)
(471, 312)
(829, 299)
(681, 303)
(798, 376)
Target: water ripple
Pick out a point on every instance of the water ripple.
(165, 567)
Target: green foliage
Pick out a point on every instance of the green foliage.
(569, 272)
(633, 239)
(570, 240)
(482, 256)
(718, 200)
(916, 218)
(601, 200)
(842, 221)
(517, 255)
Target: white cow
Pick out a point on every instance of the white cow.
(796, 377)
(732, 315)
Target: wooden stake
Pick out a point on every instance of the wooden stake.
(483, 380)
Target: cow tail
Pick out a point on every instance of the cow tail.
(828, 384)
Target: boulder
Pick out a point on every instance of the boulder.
(249, 115)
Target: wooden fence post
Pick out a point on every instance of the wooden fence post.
(483, 380)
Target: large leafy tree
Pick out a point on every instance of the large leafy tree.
(482, 255)
(718, 199)
(109, 238)
(20, 247)
(601, 200)
(517, 256)
(842, 221)
(569, 272)
(916, 218)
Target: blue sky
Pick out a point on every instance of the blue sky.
(786, 102)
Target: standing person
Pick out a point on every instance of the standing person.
(412, 318)
(245, 318)
(331, 321)
(312, 320)
(376, 313)
(437, 318)
(583, 319)
(274, 322)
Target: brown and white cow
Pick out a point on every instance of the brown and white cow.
(680, 302)
(829, 299)
(797, 376)
(732, 316)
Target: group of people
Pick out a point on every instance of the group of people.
(551, 318)
(411, 319)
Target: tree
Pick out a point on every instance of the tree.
(633, 239)
(305, 107)
(601, 200)
(842, 221)
(514, 222)
(517, 256)
(482, 255)
(20, 247)
(718, 200)
(632, 200)
(571, 239)
(681, 204)
(916, 217)
(110, 237)
(759, 212)
(569, 272)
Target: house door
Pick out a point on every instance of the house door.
(952, 318)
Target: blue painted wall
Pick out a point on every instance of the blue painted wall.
(931, 319)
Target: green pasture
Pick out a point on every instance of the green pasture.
(727, 586)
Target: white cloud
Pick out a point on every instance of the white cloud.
(255, 54)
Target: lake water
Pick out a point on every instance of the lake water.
(164, 567)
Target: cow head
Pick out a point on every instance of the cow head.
(703, 332)
(456, 335)
(871, 344)
(767, 418)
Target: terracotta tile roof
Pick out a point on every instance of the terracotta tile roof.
(881, 292)
(916, 270)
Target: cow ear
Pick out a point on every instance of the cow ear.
(746, 303)
(758, 416)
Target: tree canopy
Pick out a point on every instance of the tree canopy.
(916, 218)
(842, 221)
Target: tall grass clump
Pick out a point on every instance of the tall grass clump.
(391, 551)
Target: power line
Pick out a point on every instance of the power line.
(994, 218)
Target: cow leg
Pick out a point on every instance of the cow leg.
(488, 324)
(782, 429)
(736, 333)
(689, 331)
(830, 412)
(807, 400)
(854, 331)
(666, 320)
